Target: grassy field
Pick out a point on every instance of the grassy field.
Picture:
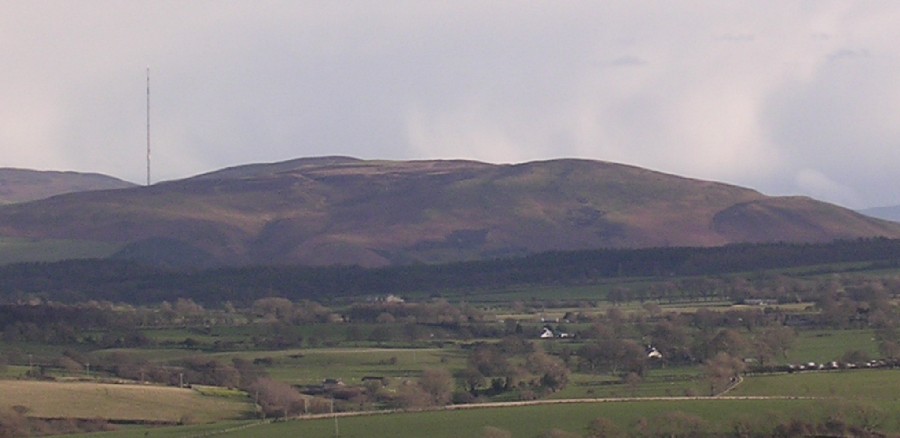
(659, 382)
(867, 396)
(150, 354)
(875, 384)
(119, 402)
(13, 371)
(312, 366)
(525, 421)
(825, 346)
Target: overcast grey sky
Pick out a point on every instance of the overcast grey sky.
(787, 97)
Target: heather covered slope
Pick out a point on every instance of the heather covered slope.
(338, 210)
(21, 185)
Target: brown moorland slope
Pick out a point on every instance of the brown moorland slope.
(338, 210)
(22, 185)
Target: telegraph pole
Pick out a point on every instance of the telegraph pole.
(337, 433)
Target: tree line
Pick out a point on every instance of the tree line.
(131, 282)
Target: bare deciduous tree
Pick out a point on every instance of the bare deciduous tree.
(722, 370)
(438, 383)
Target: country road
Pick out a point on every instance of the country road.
(543, 402)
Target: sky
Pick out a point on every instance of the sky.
(785, 97)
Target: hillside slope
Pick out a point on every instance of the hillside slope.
(22, 185)
(338, 210)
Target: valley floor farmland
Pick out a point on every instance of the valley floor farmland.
(672, 342)
(718, 417)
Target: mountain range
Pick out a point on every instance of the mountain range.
(341, 210)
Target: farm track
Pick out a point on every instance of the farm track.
(544, 402)
(740, 379)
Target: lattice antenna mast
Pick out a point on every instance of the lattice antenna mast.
(148, 125)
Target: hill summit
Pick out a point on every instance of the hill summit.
(340, 210)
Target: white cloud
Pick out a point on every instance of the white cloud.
(756, 94)
(817, 185)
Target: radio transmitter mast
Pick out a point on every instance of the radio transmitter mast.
(148, 125)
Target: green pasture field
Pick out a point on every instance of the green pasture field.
(177, 335)
(521, 421)
(18, 352)
(238, 337)
(157, 355)
(312, 366)
(119, 402)
(658, 382)
(862, 384)
(862, 395)
(529, 421)
(13, 371)
(218, 391)
(307, 331)
(822, 346)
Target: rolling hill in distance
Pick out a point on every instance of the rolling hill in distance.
(340, 210)
(22, 185)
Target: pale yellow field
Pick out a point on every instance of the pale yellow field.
(118, 402)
